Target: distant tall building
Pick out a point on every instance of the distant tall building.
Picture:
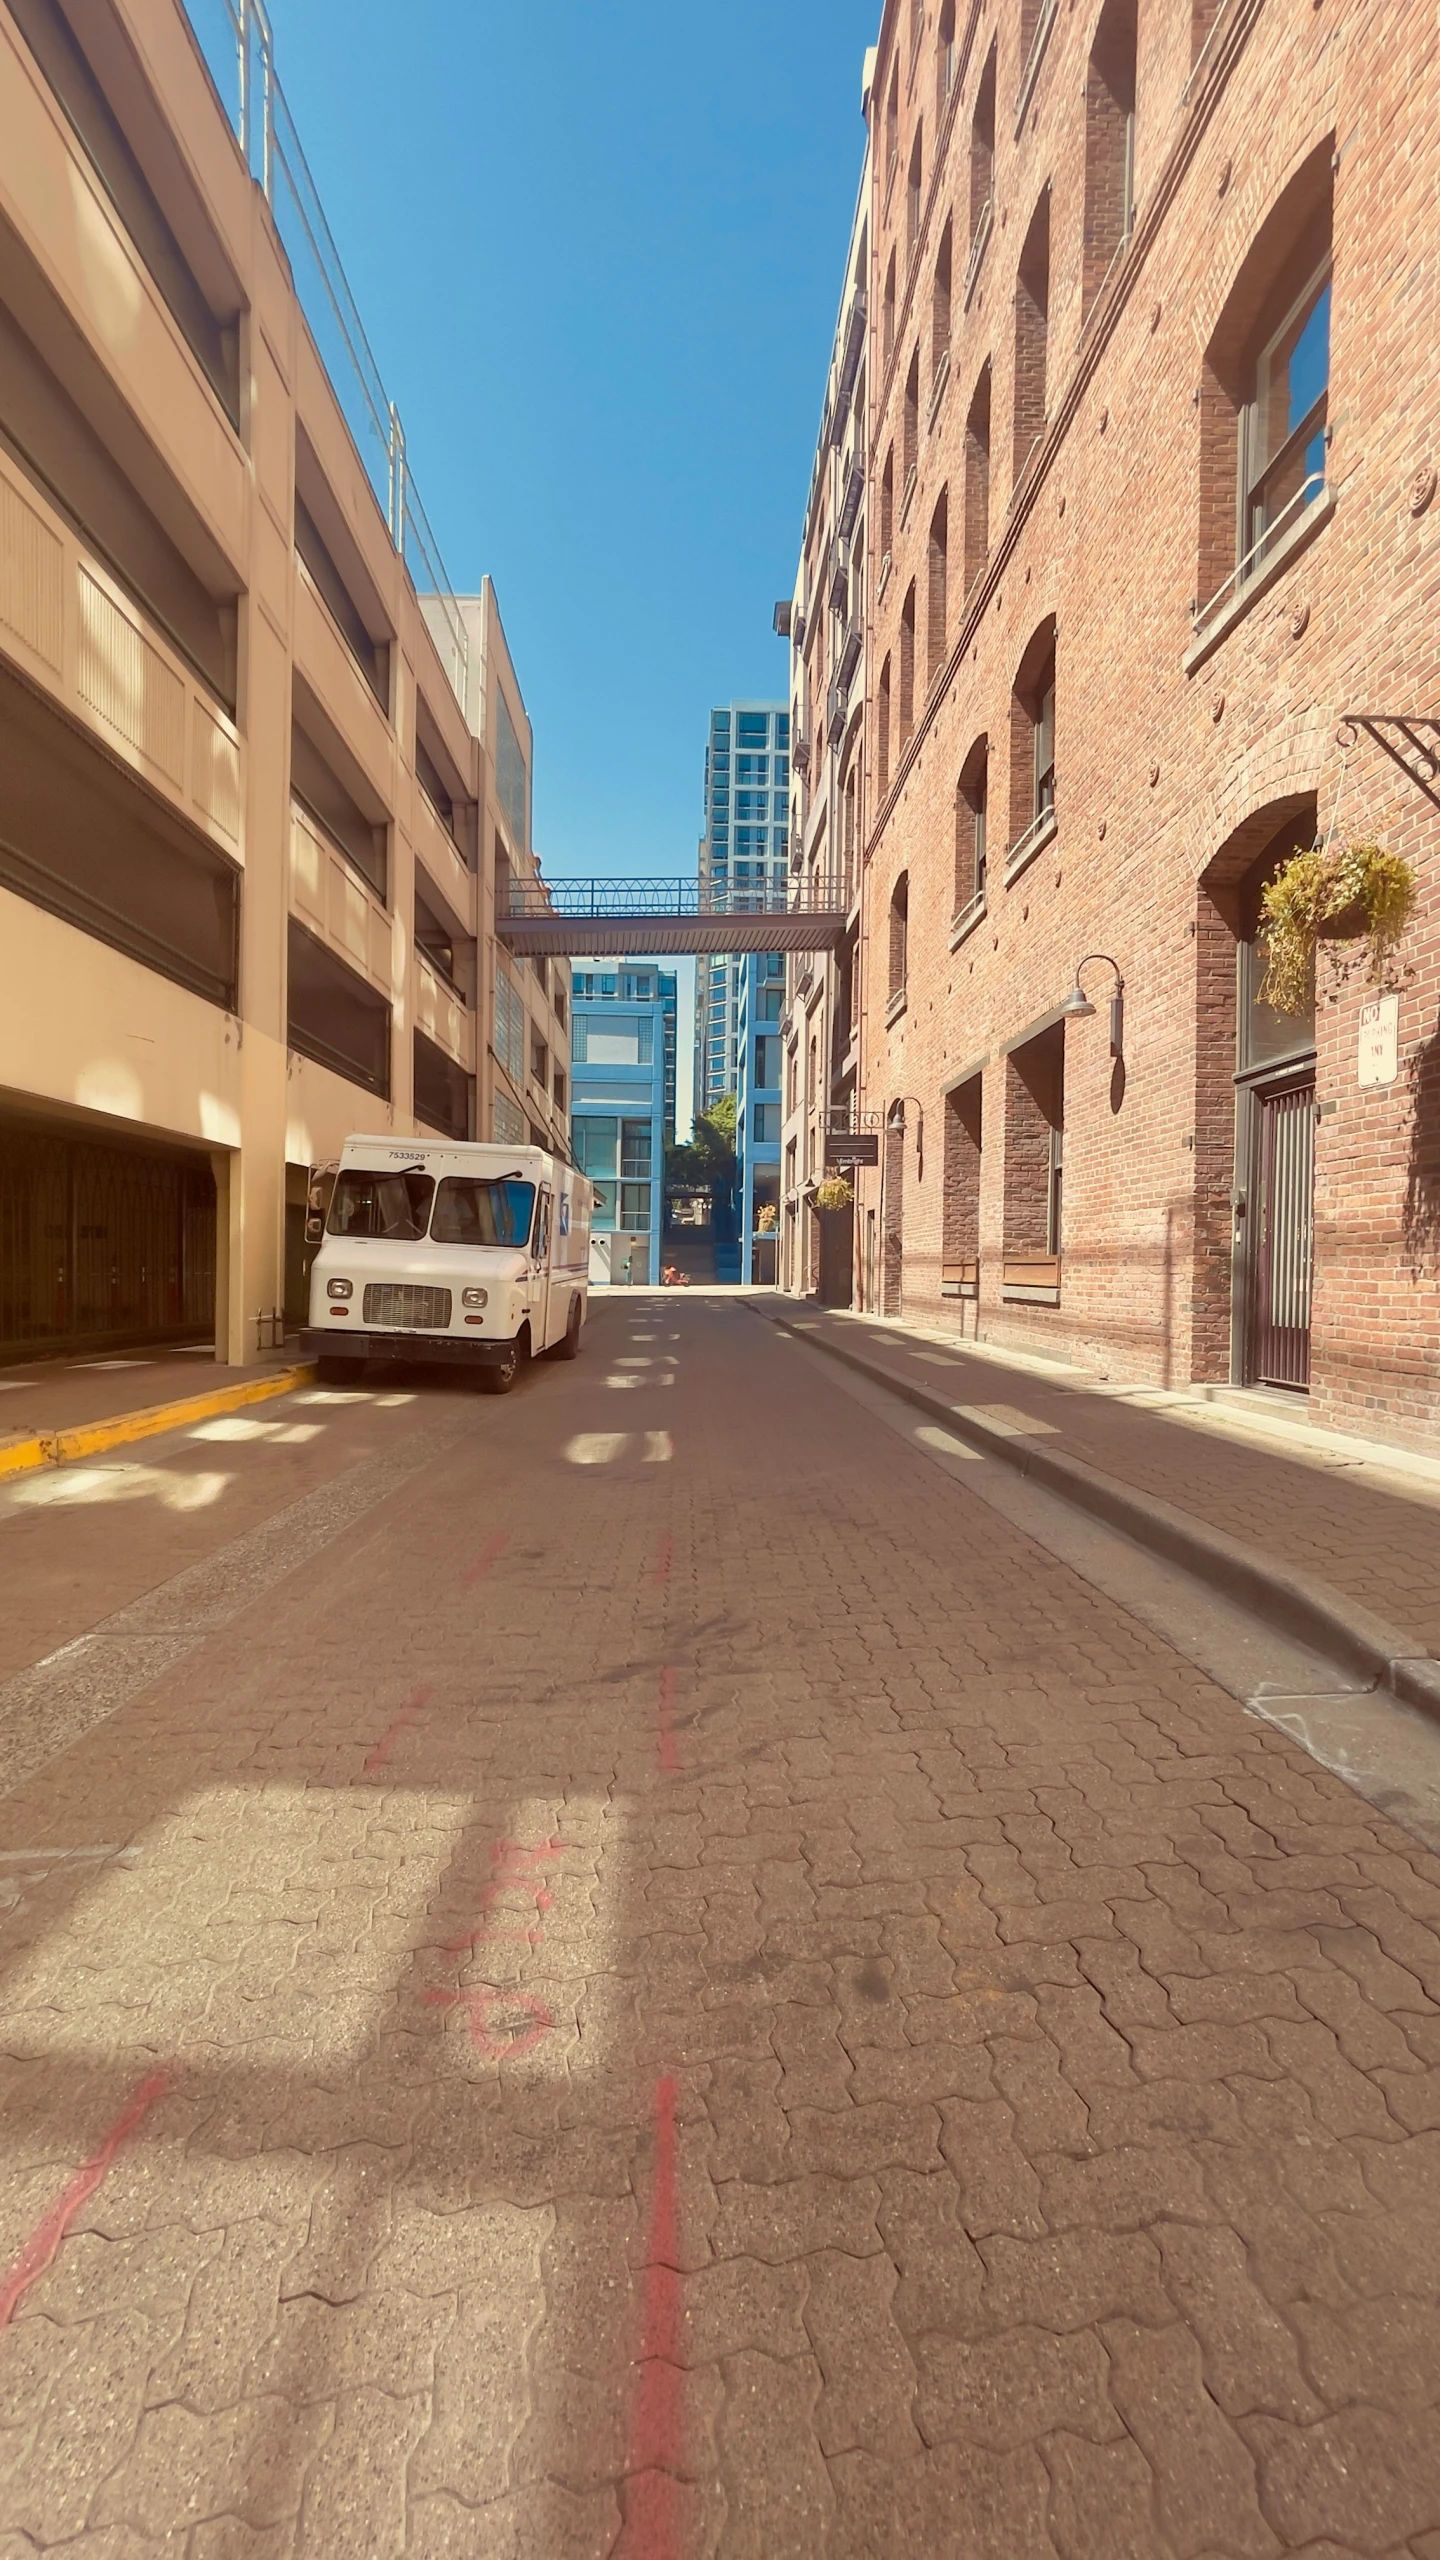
(744, 859)
(759, 1114)
(623, 1110)
(670, 1000)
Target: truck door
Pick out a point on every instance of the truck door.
(540, 1292)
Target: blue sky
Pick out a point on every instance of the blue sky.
(598, 253)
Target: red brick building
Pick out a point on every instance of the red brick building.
(1154, 433)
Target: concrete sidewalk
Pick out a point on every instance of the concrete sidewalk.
(1360, 1522)
(47, 1402)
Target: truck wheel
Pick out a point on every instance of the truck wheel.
(499, 1376)
(569, 1348)
(337, 1373)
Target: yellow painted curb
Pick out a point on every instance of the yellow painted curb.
(26, 1453)
(92, 1439)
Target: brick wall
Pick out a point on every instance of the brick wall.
(977, 480)
(1034, 1079)
(1109, 107)
(1032, 328)
(1171, 759)
(963, 1137)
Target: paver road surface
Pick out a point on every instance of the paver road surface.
(634, 1970)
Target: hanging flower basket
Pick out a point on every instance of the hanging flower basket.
(767, 1219)
(833, 1193)
(1332, 893)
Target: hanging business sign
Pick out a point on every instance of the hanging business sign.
(844, 1152)
(1379, 1040)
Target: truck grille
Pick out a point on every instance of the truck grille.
(397, 1307)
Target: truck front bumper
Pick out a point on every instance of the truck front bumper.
(329, 1343)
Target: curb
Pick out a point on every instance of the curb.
(92, 1439)
(1296, 1604)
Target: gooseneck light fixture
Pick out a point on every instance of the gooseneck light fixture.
(895, 1119)
(1078, 1006)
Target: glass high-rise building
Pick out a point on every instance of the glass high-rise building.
(744, 861)
(622, 1061)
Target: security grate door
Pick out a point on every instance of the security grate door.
(893, 1240)
(1286, 1268)
(101, 1245)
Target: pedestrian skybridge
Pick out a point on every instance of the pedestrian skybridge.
(598, 919)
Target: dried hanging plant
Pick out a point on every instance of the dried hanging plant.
(1332, 893)
(834, 1193)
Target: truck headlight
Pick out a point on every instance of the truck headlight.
(474, 1297)
(339, 1289)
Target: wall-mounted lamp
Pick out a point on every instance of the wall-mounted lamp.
(1077, 1005)
(895, 1119)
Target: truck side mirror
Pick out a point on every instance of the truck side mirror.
(314, 1230)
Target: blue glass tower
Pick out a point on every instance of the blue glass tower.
(744, 862)
(622, 1072)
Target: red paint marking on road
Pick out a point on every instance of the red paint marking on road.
(510, 1853)
(495, 2031)
(665, 1559)
(486, 1558)
(510, 1861)
(657, 2426)
(665, 1738)
(44, 2242)
(412, 1708)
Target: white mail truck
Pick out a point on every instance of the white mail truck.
(476, 1256)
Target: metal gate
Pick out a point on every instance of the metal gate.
(893, 1217)
(1286, 1264)
(101, 1245)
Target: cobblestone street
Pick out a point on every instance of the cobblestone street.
(636, 1970)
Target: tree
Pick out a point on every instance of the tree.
(707, 1161)
(721, 1119)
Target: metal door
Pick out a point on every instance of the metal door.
(540, 1291)
(1286, 1260)
(892, 1215)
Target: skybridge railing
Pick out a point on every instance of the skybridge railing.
(238, 44)
(671, 897)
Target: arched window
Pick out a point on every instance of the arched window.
(982, 170)
(977, 481)
(947, 60)
(882, 732)
(937, 584)
(907, 664)
(887, 508)
(1264, 397)
(899, 935)
(1032, 330)
(1032, 746)
(940, 301)
(972, 798)
(892, 126)
(888, 317)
